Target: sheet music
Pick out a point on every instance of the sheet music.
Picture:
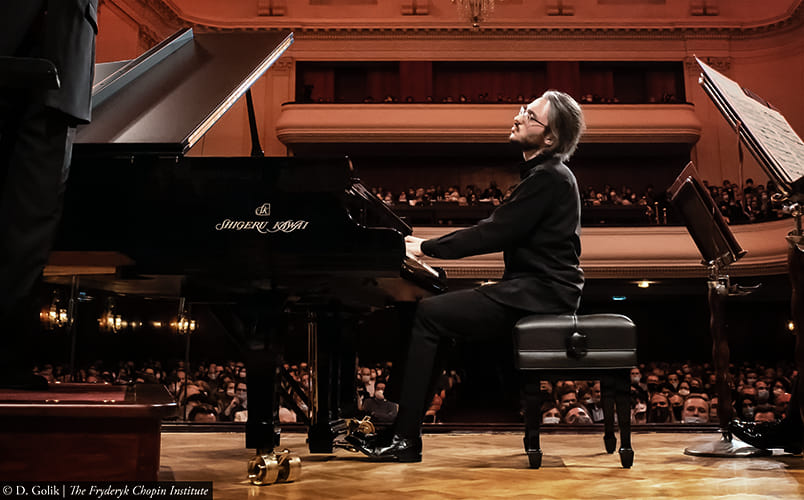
(763, 127)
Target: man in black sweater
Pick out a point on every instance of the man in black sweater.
(538, 231)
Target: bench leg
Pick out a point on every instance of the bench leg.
(623, 400)
(533, 420)
(607, 398)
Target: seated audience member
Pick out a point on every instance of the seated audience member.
(639, 411)
(652, 383)
(659, 409)
(782, 404)
(673, 380)
(764, 413)
(378, 408)
(746, 406)
(576, 414)
(594, 405)
(567, 397)
(203, 413)
(665, 389)
(238, 404)
(696, 410)
(550, 413)
(636, 378)
(713, 404)
(780, 386)
(763, 393)
(696, 386)
(676, 406)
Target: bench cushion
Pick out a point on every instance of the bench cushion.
(545, 342)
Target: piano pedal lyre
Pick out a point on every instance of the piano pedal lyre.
(364, 426)
(354, 426)
(274, 467)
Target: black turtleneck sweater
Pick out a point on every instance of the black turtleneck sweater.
(538, 230)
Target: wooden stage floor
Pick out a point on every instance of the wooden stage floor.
(490, 466)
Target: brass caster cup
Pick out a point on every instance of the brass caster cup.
(270, 468)
(263, 469)
(289, 467)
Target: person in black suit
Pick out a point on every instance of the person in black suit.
(787, 433)
(37, 127)
(538, 231)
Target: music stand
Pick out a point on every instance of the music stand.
(719, 249)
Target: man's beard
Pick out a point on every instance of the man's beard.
(525, 144)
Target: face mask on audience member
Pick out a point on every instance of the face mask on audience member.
(677, 411)
(379, 394)
(684, 392)
(550, 420)
(635, 379)
(763, 395)
(230, 392)
(660, 414)
(777, 391)
(748, 413)
(640, 409)
(693, 419)
(365, 378)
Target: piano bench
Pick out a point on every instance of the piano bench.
(568, 347)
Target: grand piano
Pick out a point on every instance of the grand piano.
(255, 234)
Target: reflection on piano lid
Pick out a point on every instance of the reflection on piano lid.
(164, 101)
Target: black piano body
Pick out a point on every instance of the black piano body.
(258, 229)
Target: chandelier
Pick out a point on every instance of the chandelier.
(475, 10)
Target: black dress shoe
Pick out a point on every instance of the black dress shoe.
(767, 435)
(362, 442)
(400, 450)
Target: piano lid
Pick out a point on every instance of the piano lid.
(164, 101)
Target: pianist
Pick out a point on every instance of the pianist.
(537, 228)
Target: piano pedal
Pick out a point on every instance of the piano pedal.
(269, 468)
(364, 426)
(361, 431)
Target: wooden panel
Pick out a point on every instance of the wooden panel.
(82, 432)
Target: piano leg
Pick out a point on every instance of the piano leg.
(332, 359)
(261, 366)
(268, 466)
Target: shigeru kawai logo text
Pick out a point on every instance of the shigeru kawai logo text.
(263, 226)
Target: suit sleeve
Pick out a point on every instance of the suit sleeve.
(508, 224)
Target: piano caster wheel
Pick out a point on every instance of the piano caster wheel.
(289, 467)
(626, 457)
(269, 468)
(263, 468)
(535, 458)
(611, 442)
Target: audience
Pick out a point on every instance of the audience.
(662, 393)
(752, 204)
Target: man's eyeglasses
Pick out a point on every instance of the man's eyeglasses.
(530, 116)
